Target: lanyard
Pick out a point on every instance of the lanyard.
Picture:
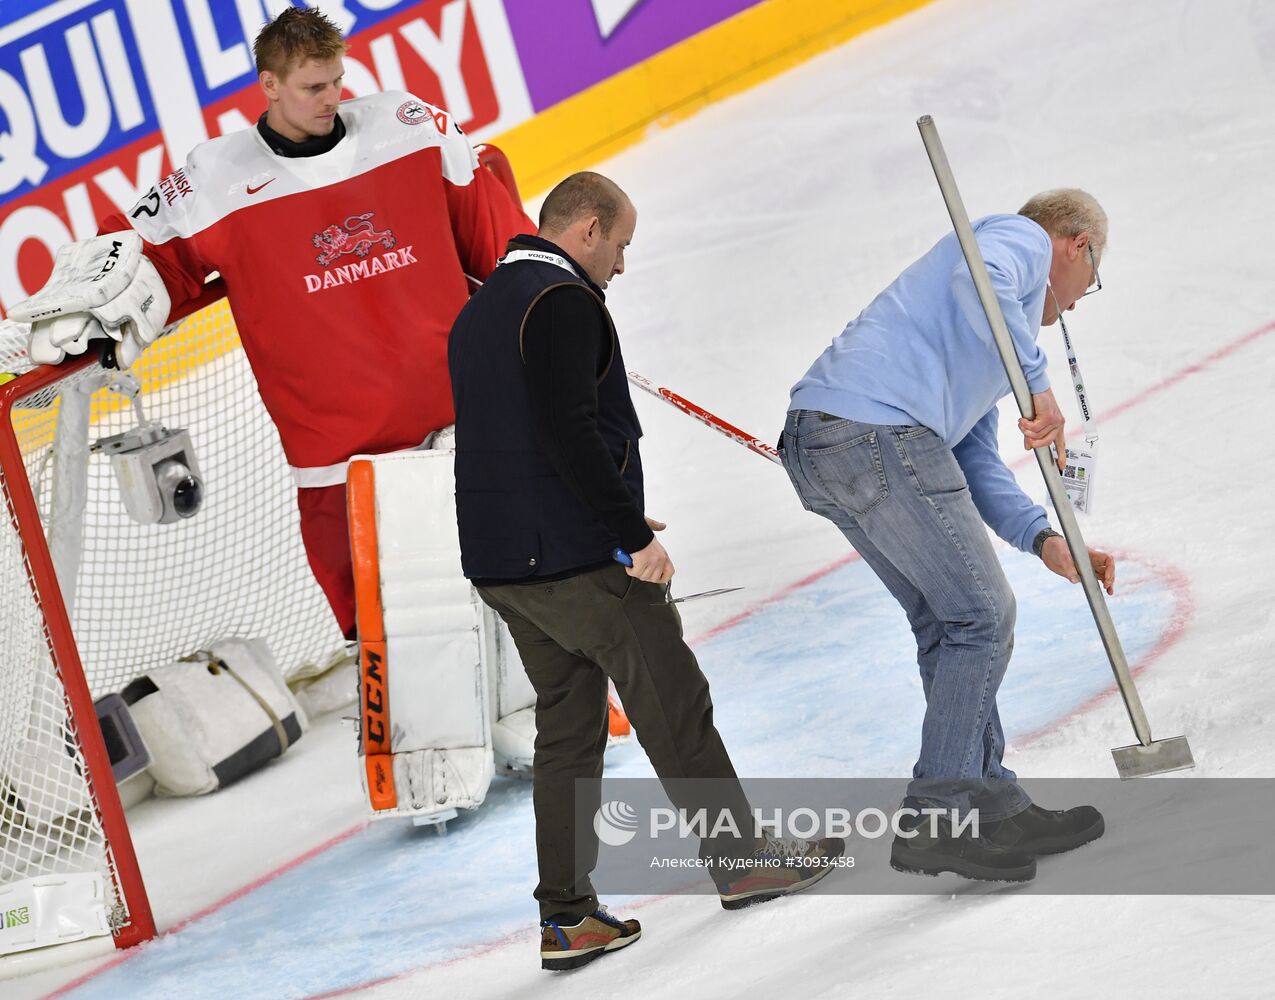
(1078, 477)
(1077, 381)
(543, 256)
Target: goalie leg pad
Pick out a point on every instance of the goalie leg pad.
(443, 692)
(513, 699)
(513, 730)
(425, 720)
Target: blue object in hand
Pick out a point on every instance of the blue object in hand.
(622, 557)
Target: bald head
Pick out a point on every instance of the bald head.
(581, 196)
(589, 217)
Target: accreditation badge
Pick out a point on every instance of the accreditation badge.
(1078, 477)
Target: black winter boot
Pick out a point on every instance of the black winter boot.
(966, 855)
(1046, 831)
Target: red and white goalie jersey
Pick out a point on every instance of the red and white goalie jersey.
(344, 271)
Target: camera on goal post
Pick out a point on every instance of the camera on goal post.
(157, 472)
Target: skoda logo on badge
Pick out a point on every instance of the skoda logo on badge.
(615, 823)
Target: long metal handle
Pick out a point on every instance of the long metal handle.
(1022, 395)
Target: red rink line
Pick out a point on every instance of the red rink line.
(774, 598)
(1179, 584)
(526, 936)
(1177, 580)
(1183, 612)
(1191, 369)
(242, 891)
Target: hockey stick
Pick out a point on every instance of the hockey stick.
(703, 416)
(1147, 756)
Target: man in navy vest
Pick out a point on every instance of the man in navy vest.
(548, 486)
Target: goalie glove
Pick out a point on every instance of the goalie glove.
(53, 339)
(100, 287)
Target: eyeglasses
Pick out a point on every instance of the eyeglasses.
(1093, 261)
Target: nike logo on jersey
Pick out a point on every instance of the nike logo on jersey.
(250, 189)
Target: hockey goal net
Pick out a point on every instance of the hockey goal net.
(90, 598)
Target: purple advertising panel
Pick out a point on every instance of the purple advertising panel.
(566, 46)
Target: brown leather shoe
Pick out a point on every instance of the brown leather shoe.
(569, 947)
(780, 868)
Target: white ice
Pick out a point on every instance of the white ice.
(766, 222)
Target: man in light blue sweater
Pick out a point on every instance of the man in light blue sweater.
(891, 435)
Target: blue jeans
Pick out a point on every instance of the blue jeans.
(899, 496)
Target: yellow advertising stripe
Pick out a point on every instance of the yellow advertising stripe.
(747, 49)
(203, 337)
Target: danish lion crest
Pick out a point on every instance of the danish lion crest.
(356, 235)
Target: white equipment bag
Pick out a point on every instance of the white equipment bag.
(214, 717)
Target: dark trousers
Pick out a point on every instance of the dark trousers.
(572, 636)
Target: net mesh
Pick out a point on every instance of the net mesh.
(144, 595)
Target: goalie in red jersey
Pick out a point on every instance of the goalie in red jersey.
(344, 233)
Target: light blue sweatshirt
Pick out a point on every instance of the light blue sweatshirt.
(922, 353)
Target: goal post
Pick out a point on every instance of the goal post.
(57, 704)
(114, 598)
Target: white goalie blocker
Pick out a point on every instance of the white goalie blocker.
(444, 699)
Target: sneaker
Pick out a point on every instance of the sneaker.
(1047, 831)
(780, 868)
(569, 947)
(965, 855)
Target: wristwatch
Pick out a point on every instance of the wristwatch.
(1038, 543)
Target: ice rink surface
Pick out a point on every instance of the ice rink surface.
(765, 223)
